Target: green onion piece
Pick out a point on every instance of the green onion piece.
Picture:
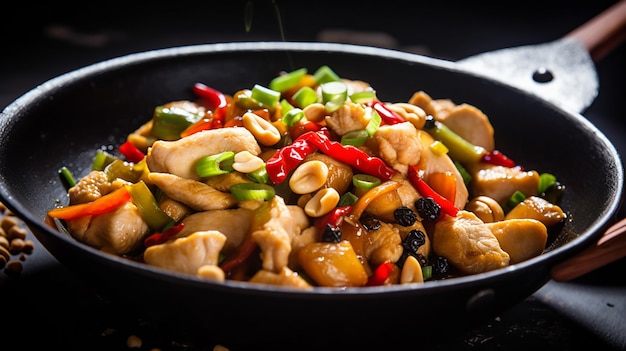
(347, 199)
(102, 159)
(150, 211)
(427, 272)
(128, 171)
(355, 137)
(287, 80)
(265, 96)
(217, 164)
(169, 122)
(365, 181)
(334, 94)
(252, 191)
(293, 116)
(459, 149)
(514, 200)
(325, 74)
(285, 106)
(546, 180)
(305, 96)
(363, 97)
(243, 99)
(259, 176)
(467, 178)
(67, 178)
(374, 123)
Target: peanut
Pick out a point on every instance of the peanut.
(308, 177)
(264, 131)
(246, 162)
(322, 202)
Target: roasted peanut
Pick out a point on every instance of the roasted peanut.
(263, 130)
(308, 177)
(322, 202)
(411, 271)
(246, 162)
(315, 112)
(410, 113)
(486, 208)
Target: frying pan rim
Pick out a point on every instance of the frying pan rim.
(38, 226)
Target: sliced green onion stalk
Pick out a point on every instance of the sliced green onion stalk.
(374, 123)
(467, 178)
(169, 122)
(514, 200)
(305, 96)
(363, 97)
(325, 74)
(287, 80)
(427, 272)
(102, 159)
(334, 94)
(285, 106)
(365, 181)
(130, 172)
(265, 96)
(217, 164)
(148, 207)
(546, 180)
(259, 176)
(252, 191)
(347, 199)
(244, 100)
(355, 137)
(459, 149)
(67, 178)
(293, 116)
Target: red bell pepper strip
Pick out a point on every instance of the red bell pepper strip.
(387, 116)
(426, 191)
(103, 204)
(160, 238)
(334, 218)
(131, 152)
(381, 273)
(350, 155)
(287, 158)
(244, 251)
(496, 157)
(217, 101)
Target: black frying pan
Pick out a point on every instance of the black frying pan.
(63, 121)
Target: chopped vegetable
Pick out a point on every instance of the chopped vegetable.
(104, 204)
(169, 122)
(67, 178)
(365, 181)
(370, 195)
(325, 74)
(498, 158)
(217, 164)
(425, 190)
(305, 96)
(459, 149)
(131, 152)
(160, 238)
(265, 96)
(252, 191)
(288, 80)
(149, 209)
(380, 275)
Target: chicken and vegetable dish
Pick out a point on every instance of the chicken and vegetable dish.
(310, 180)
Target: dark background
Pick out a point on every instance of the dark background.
(50, 306)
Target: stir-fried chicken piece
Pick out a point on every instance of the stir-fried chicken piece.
(286, 277)
(499, 182)
(468, 244)
(234, 224)
(192, 193)
(275, 235)
(90, 187)
(399, 145)
(383, 244)
(522, 238)
(186, 255)
(120, 231)
(348, 118)
(179, 157)
(471, 124)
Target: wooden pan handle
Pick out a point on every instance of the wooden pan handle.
(604, 32)
(610, 247)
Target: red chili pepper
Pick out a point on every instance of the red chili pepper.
(217, 101)
(334, 218)
(160, 238)
(131, 152)
(426, 191)
(498, 158)
(350, 155)
(386, 115)
(381, 273)
(302, 127)
(286, 159)
(244, 251)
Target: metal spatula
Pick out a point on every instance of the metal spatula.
(563, 71)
